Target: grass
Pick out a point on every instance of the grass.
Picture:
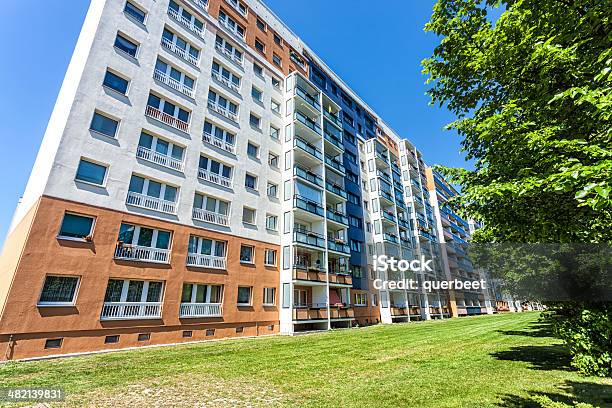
(488, 361)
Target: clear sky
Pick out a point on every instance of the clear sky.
(376, 50)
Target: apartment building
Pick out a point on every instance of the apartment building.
(205, 175)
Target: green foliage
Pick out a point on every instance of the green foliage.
(532, 92)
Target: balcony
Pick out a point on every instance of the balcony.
(307, 205)
(214, 178)
(338, 246)
(219, 143)
(206, 261)
(344, 311)
(150, 203)
(167, 119)
(386, 195)
(333, 118)
(158, 158)
(403, 223)
(188, 24)
(173, 83)
(210, 217)
(310, 311)
(312, 102)
(230, 55)
(131, 310)
(231, 29)
(308, 176)
(181, 52)
(337, 216)
(306, 121)
(340, 278)
(201, 310)
(399, 311)
(223, 111)
(309, 238)
(200, 4)
(335, 164)
(383, 175)
(390, 238)
(307, 147)
(141, 253)
(225, 81)
(389, 216)
(336, 189)
(334, 141)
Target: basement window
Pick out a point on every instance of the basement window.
(53, 343)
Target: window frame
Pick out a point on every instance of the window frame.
(252, 261)
(120, 76)
(266, 252)
(106, 116)
(40, 303)
(265, 293)
(137, 7)
(250, 303)
(67, 238)
(94, 162)
(254, 211)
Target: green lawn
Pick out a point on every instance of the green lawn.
(488, 361)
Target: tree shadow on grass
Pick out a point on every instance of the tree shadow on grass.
(533, 330)
(571, 393)
(555, 357)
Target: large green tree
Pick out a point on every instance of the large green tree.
(531, 90)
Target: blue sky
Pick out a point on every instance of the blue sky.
(377, 51)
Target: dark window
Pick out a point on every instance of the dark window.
(277, 39)
(91, 172)
(144, 337)
(111, 339)
(260, 46)
(261, 25)
(277, 60)
(53, 343)
(271, 327)
(59, 290)
(126, 45)
(76, 226)
(104, 125)
(115, 82)
(134, 12)
(210, 332)
(239, 329)
(187, 333)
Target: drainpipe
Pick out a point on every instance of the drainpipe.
(9, 346)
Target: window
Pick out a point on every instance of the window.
(206, 246)
(348, 119)
(127, 46)
(230, 24)
(228, 49)
(134, 235)
(355, 222)
(115, 82)
(197, 293)
(352, 198)
(221, 135)
(270, 257)
(76, 226)
(227, 77)
(238, 5)
(255, 121)
(123, 291)
(277, 39)
(277, 60)
(244, 295)
(276, 83)
(269, 297)
(184, 17)
(187, 333)
(260, 46)
(261, 25)
(153, 189)
(111, 339)
(92, 173)
(271, 222)
(104, 125)
(351, 157)
(53, 343)
(248, 215)
(160, 151)
(134, 12)
(356, 245)
(59, 291)
(361, 299)
(210, 332)
(180, 46)
(252, 150)
(144, 336)
(247, 253)
(257, 94)
(275, 106)
(215, 172)
(273, 160)
(274, 132)
(212, 209)
(174, 78)
(272, 190)
(356, 271)
(258, 70)
(169, 108)
(374, 299)
(250, 181)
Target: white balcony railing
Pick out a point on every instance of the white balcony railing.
(221, 144)
(232, 29)
(206, 261)
(181, 52)
(229, 54)
(141, 253)
(201, 310)
(167, 119)
(131, 310)
(231, 85)
(186, 23)
(158, 158)
(202, 4)
(210, 216)
(150, 203)
(214, 178)
(173, 83)
(214, 106)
